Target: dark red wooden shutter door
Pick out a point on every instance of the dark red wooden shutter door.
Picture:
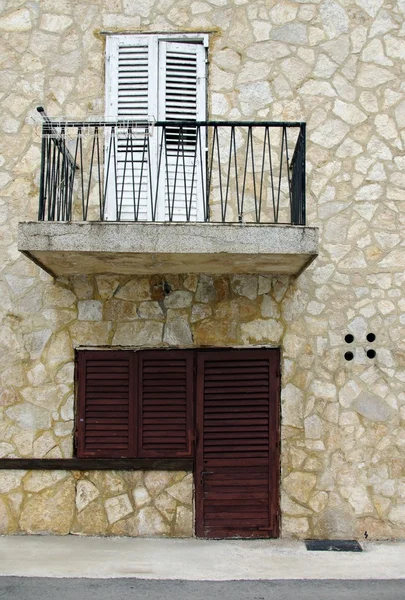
(106, 404)
(165, 403)
(237, 457)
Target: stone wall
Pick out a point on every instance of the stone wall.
(97, 503)
(337, 65)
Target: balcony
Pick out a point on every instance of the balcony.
(130, 197)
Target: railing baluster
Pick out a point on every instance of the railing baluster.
(280, 175)
(186, 158)
(100, 189)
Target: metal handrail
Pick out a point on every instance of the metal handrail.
(212, 171)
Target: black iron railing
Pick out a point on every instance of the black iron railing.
(124, 170)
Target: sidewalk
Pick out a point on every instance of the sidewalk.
(71, 556)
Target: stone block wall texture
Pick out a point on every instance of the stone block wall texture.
(339, 66)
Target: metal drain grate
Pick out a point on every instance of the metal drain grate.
(333, 545)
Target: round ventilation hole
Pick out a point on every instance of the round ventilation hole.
(349, 355)
(371, 337)
(349, 338)
(371, 353)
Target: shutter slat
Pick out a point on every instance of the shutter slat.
(235, 391)
(181, 72)
(105, 422)
(165, 403)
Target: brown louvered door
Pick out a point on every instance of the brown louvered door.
(237, 462)
(106, 404)
(165, 403)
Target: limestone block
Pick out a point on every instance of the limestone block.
(86, 492)
(182, 491)
(178, 299)
(245, 285)
(329, 133)
(206, 291)
(19, 20)
(348, 112)
(58, 296)
(157, 481)
(371, 76)
(318, 501)
(190, 282)
(119, 310)
(19, 285)
(150, 310)
(292, 410)
(199, 312)
(89, 310)
(184, 525)
(151, 522)
(291, 33)
(29, 416)
(43, 444)
(214, 333)
(141, 496)
(39, 480)
(55, 23)
(92, 520)
(126, 527)
(50, 511)
(313, 427)
(334, 18)
(397, 515)
(227, 59)
(371, 7)
(166, 505)
(138, 334)
(373, 408)
(23, 442)
(106, 285)
(336, 523)
(135, 290)
(67, 410)
(111, 483)
(5, 520)
(118, 507)
(254, 96)
(47, 396)
(8, 397)
(295, 527)
(177, 332)
(291, 508)
(35, 342)
(283, 12)
(261, 330)
(299, 485)
(10, 480)
(360, 501)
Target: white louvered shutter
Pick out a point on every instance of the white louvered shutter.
(182, 98)
(152, 79)
(130, 87)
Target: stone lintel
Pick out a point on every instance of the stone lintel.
(70, 248)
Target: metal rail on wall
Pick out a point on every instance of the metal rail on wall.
(178, 171)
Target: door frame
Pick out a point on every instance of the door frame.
(275, 444)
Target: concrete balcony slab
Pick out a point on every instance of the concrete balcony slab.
(71, 248)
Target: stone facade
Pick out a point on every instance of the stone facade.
(337, 65)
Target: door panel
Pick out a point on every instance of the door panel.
(237, 461)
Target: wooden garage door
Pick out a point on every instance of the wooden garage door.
(237, 461)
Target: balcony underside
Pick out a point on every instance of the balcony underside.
(71, 248)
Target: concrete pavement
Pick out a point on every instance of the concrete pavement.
(168, 559)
